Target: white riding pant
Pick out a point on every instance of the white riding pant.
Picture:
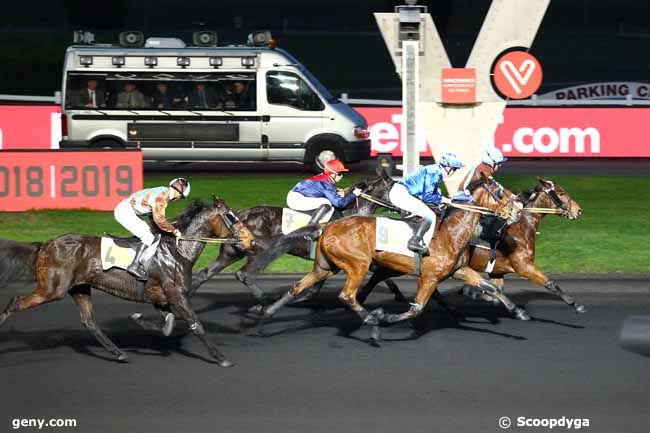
(399, 195)
(125, 215)
(299, 202)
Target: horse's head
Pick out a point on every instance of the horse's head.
(490, 194)
(225, 223)
(557, 197)
(376, 187)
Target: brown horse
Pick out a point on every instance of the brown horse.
(349, 245)
(71, 264)
(515, 252)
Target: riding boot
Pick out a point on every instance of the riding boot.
(416, 244)
(136, 268)
(319, 213)
(316, 216)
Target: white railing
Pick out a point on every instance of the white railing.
(534, 101)
(56, 99)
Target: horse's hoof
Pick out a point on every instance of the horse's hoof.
(580, 309)
(256, 309)
(123, 358)
(135, 316)
(521, 314)
(169, 324)
(226, 363)
(241, 277)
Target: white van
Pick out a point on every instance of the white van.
(198, 103)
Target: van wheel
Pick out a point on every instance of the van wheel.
(107, 144)
(309, 164)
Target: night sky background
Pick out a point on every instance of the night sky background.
(580, 41)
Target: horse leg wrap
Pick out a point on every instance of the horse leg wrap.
(197, 328)
(416, 308)
(488, 287)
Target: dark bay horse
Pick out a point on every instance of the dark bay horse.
(265, 222)
(71, 264)
(349, 245)
(515, 252)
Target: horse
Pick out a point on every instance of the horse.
(515, 251)
(265, 222)
(349, 245)
(71, 264)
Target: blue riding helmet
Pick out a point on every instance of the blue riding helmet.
(493, 156)
(450, 160)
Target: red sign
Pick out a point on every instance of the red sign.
(58, 179)
(30, 126)
(458, 85)
(517, 74)
(538, 132)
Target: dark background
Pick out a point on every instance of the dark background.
(580, 41)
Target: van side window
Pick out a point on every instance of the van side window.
(286, 88)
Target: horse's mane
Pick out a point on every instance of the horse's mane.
(183, 220)
(525, 196)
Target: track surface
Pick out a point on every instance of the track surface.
(317, 373)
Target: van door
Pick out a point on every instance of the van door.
(294, 111)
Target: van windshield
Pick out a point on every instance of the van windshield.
(322, 90)
(161, 91)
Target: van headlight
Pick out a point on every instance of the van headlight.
(361, 132)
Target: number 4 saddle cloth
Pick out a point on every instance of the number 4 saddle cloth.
(120, 252)
(393, 235)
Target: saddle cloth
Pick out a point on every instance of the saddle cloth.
(293, 220)
(116, 256)
(393, 235)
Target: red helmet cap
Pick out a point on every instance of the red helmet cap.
(335, 166)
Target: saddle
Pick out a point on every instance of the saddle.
(125, 242)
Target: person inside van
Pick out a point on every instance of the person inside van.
(203, 97)
(238, 97)
(131, 98)
(89, 97)
(161, 98)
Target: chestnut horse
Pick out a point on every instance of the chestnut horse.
(515, 252)
(71, 264)
(265, 222)
(349, 245)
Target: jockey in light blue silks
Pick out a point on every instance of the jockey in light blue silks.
(420, 188)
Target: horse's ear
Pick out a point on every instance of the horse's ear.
(216, 201)
(541, 181)
(484, 177)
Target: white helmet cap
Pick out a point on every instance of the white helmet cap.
(183, 184)
(324, 157)
(493, 156)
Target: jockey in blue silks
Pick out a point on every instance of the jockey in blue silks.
(420, 188)
(319, 193)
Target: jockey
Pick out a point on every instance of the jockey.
(490, 162)
(417, 189)
(318, 192)
(149, 201)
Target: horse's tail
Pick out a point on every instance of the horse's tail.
(17, 260)
(280, 246)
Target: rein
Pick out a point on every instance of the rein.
(545, 210)
(378, 202)
(210, 240)
(478, 209)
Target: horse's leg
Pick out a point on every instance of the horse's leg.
(473, 278)
(85, 305)
(427, 287)
(377, 277)
(316, 275)
(533, 273)
(249, 281)
(46, 291)
(392, 286)
(227, 256)
(167, 316)
(180, 304)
